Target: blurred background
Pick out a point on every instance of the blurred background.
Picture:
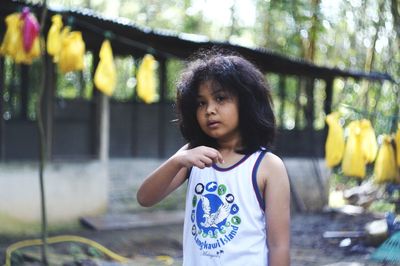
(99, 139)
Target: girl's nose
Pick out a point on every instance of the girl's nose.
(211, 108)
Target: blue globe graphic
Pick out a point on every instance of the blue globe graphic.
(215, 203)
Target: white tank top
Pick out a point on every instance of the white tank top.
(224, 216)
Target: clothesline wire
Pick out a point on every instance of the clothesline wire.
(389, 123)
(112, 36)
(368, 114)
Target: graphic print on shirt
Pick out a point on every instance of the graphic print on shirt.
(215, 218)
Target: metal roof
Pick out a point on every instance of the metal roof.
(128, 38)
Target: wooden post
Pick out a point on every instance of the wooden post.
(101, 117)
(161, 107)
(95, 112)
(2, 83)
(134, 122)
(309, 111)
(297, 103)
(329, 95)
(282, 97)
(104, 145)
(310, 115)
(24, 91)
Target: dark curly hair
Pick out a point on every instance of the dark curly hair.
(238, 77)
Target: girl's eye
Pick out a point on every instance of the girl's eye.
(200, 103)
(220, 98)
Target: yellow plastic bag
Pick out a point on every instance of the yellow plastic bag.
(368, 139)
(72, 51)
(146, 79)
(334, 145)
(20, 56)
(12, 36)
(35, 51)
(54, 38)
(385, 169)
(354, 163)
(13, 44)
(397, 142)
(105, 77)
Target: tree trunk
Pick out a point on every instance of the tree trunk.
(369, 57)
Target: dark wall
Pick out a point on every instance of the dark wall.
(72, 130)
(139, 130)
(300, 143)
(136, 130)
(20, 140)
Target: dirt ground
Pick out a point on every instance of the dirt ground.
(143, 245)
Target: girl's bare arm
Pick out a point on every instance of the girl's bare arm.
(172, 173)
(277, 209)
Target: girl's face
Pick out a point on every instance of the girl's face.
(218, 112)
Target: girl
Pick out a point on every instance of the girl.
(237, 200)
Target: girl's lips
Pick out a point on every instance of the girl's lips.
(213, 124)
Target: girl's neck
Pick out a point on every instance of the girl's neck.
(228, 147)
(229, 152)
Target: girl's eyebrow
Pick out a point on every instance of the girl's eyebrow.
(214, 92)
(218, 90)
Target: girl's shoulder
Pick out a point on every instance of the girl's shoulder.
(272, 173)
(271, 165)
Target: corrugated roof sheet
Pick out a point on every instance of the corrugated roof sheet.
(132, 39)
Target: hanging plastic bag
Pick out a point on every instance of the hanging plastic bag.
(30, 29)
(54, 38)
(354, 163)
(334, 145)
(22, 56)
(63, 61)
(35, 50)
(12, 37)
(105, 77)
(72, 52)
(397, 142)
(13, 42)
(146, 79)
(385, 169)
(368, 139)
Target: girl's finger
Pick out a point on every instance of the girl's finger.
(219, 157)
(199, 164)
(207, 161)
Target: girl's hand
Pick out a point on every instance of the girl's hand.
(200, 157)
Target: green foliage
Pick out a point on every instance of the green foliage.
(173, 69)
(338, 181)
(17, 258)
(95, 253)
(77, 84)
(381, 206)
(126, 81)
(77, 252)
(347, 34)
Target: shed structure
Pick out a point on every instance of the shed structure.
(136, 129)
